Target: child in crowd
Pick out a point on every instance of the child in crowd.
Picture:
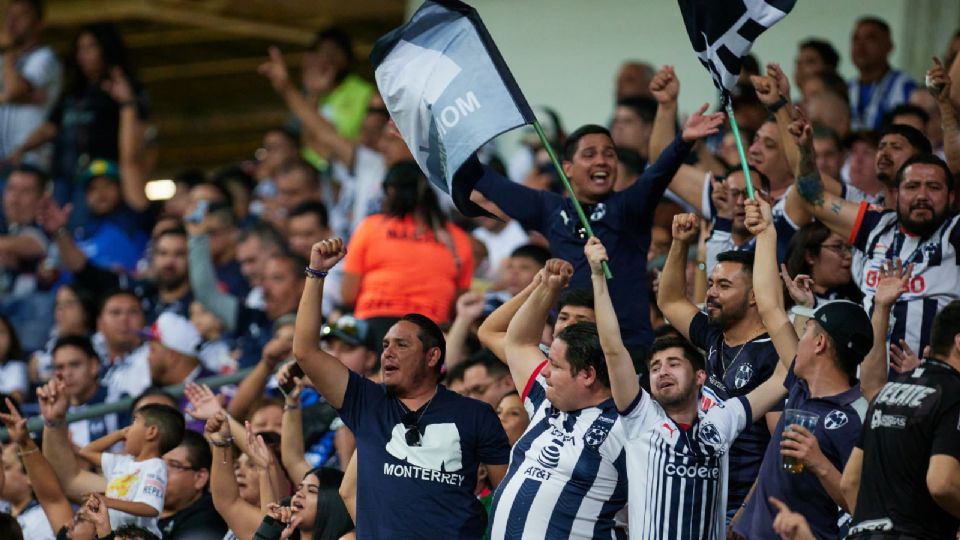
(137, 479)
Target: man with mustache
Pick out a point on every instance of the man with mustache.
(921, 231)
(740, 354)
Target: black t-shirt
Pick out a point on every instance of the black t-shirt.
(733, 372)
(199, 521)
(915, 416)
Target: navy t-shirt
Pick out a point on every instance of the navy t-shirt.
(733, 372)
(622, 221)
(837, 432)
(424, 491)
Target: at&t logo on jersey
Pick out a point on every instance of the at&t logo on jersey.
(549, 456)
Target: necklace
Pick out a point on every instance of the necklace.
(422, 411)
(724, 364)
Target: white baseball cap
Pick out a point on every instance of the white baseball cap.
(175, 333)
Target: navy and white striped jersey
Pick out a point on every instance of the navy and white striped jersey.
(567, 476)
(936, 275)
(678, 474)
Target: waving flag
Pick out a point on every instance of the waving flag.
(723, 31)
(447, 88)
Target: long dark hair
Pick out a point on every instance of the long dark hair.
(332, 519)
(113, 52)
(407, 191)
(807, 242)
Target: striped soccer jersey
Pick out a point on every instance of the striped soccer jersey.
(567, 476)
(936, 275)
(678, 475)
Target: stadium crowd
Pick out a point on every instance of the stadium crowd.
(781, 366)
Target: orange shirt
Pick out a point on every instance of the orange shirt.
(402, 272)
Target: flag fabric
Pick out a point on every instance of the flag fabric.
(447, 88)
(722, 32)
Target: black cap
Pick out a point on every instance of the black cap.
(848, 326)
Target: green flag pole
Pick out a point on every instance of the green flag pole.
(566, 184)
(743, 155)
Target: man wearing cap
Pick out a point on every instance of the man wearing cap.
(351, 341)
(174, 344)
(108, 230)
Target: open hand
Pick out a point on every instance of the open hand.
(51, 216)
(261, 456)
(325, 254)
(118, 86)
(204, 404)
(665, 85)
(903, 359)
(596, 255)
(700, 125)
(894, 280)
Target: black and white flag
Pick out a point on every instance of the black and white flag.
(447, 88)
(723, 31)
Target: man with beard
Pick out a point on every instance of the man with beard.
(921, 231)
(676, 454)
(169, 288)
(419, 445)
(740, 354)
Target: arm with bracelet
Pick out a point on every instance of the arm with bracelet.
(242, 517)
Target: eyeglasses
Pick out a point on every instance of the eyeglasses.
(839, 249)
(180, 466)
(412, 422)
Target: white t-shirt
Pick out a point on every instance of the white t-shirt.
(500, 245)
(13, 377)
(135, 481)
(34, 523)
(128, 375)
(41, 69)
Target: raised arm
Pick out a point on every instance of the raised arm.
(894, 280)
(251, 387)
(469, 309)
(665, 88)
(43, 480)
(348, 487)
(242, 517)
(93, 451)
(57, 448)
(836, 213)
(327, 373)
(203, 277)
(322, 135)
(493, 331)
(766, 281)
(133, 173)
(291, 428)
(624, 383)
(766, 285)
(672, 293)
(939, 84)
(522, 342)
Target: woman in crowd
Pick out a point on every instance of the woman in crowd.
(74, 314)
(408, 259)
(315, 511)
(825, 257)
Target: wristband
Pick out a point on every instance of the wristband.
(226, 443)
(21, 453)
(777, 105)
(53, 423)
(289, 407)
(313, 273)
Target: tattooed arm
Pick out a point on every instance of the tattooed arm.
(836, 213)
